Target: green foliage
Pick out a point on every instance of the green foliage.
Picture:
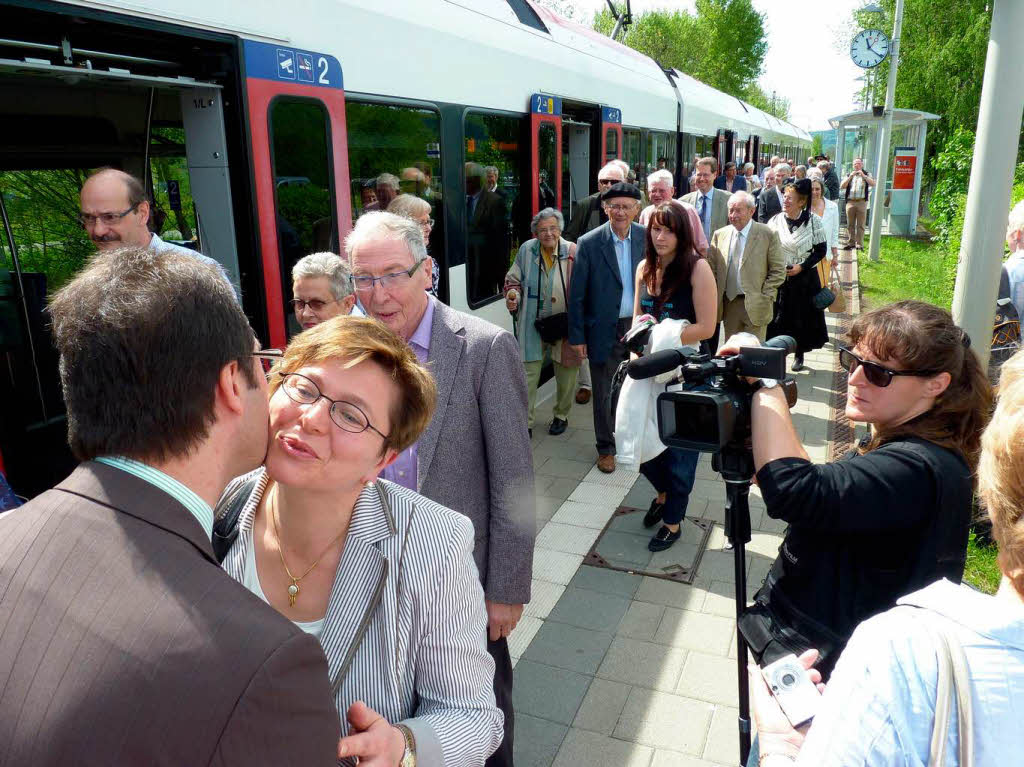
(952, 168)
(982, 567)
(302, 205)
(817, 146)
(722, 45)
(756, 96)
(942, 60)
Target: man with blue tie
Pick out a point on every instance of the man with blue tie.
(713, 208)
(601, 302)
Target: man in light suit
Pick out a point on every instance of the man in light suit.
(475, 455)
(122, 641)
(749, 267)
(601, 303)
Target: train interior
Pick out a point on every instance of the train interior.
(77, 93)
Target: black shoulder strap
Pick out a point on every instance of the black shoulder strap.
(225, 528)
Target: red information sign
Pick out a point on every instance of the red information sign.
(904, 170)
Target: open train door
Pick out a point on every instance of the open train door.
(300, 164)
(611, 134)
(545, 152)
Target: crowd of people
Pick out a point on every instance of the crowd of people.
(317, 554)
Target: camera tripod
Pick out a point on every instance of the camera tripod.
(735, 463)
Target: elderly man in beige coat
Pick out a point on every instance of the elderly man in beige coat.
(749, 267)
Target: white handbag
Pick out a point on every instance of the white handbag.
(952, 680)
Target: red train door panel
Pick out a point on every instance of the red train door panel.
(611, 134)
(274, 75)
(545, 152)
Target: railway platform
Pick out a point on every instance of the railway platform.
(623, 668)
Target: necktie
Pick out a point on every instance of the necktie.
(733, 281)
(704, 210)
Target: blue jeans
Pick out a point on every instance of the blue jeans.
(672, 473)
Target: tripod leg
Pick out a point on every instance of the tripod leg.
(741, 652)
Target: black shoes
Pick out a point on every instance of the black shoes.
(558, 426)
(653, 514)
(664, 539)
(798, 363)
(530, 432)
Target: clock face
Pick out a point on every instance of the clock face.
(869, 48)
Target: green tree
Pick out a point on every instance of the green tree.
(942, 61)
(773, 104)
(817, 146)
(722, 45)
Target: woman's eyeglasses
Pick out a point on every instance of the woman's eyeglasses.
(316, 304)
(346, 415)
(877, 375)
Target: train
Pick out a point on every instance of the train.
(264, 129)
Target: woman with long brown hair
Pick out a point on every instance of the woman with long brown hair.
(892, 515)
(673, 282)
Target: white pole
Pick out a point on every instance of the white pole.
(883, 143)
(988, 196)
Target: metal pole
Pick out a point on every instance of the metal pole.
(883, 144)
(988, 196)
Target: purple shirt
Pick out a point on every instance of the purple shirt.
(403, 470)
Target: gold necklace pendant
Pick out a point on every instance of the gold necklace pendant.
(293, 592)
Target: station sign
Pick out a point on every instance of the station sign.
(542, 104)
(292, 65)
(904, 167)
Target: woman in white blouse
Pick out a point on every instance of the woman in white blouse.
(828, 212)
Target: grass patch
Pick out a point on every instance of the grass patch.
(907, 269)
(982, 570)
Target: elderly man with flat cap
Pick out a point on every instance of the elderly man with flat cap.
(601, 302)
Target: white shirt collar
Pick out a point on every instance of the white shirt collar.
(745, 231)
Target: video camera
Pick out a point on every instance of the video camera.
(713, 409)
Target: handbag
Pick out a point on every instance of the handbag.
(824, 298)
(554, 327)
(839, 305)
(225, 528)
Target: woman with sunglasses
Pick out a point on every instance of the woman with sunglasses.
(382, 576)
(890, 516)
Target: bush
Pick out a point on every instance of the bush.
(952, 168)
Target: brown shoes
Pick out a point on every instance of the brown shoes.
(606, 463)
(583, 396)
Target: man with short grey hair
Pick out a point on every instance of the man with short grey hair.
(478, 432)
(388, 187)
(659, 190)
(749, 267)
(321, 289)
(1012, 277)
(769, 202)
(830, 179)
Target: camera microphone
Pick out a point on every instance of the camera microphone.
(651, 365)
(781, 342)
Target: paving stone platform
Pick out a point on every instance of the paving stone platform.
(620, 669)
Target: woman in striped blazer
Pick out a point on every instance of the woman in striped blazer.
(384, 577)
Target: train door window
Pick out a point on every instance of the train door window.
(547, 145)
(633, 153)
(300, 137)
(173, 215)
(497, 204)
(611, 144)
(396, 149)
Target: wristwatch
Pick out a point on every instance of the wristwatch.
(409, 755)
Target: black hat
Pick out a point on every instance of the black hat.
(621, 189)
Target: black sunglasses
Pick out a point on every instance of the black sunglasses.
(877, 375)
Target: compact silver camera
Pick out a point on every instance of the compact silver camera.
(796, 694)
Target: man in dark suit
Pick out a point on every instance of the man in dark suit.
(731, 181)
(122, 641)
(601, 302)
(769, 202)
(588, 214)
(712, 205)
(475, 455)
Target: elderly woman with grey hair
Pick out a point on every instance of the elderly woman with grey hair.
(419, 210)
(537, 288)
(753, 182)
(321, 289)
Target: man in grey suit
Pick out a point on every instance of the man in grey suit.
(749, 267)
(601, 302)
(122, 641)
(475, 455)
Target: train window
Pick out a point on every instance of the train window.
(633, 153)
(611, 144)
(497, 205)
(396, 149)
(547, 144)
(300, 137)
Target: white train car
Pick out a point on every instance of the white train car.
(262, 129)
